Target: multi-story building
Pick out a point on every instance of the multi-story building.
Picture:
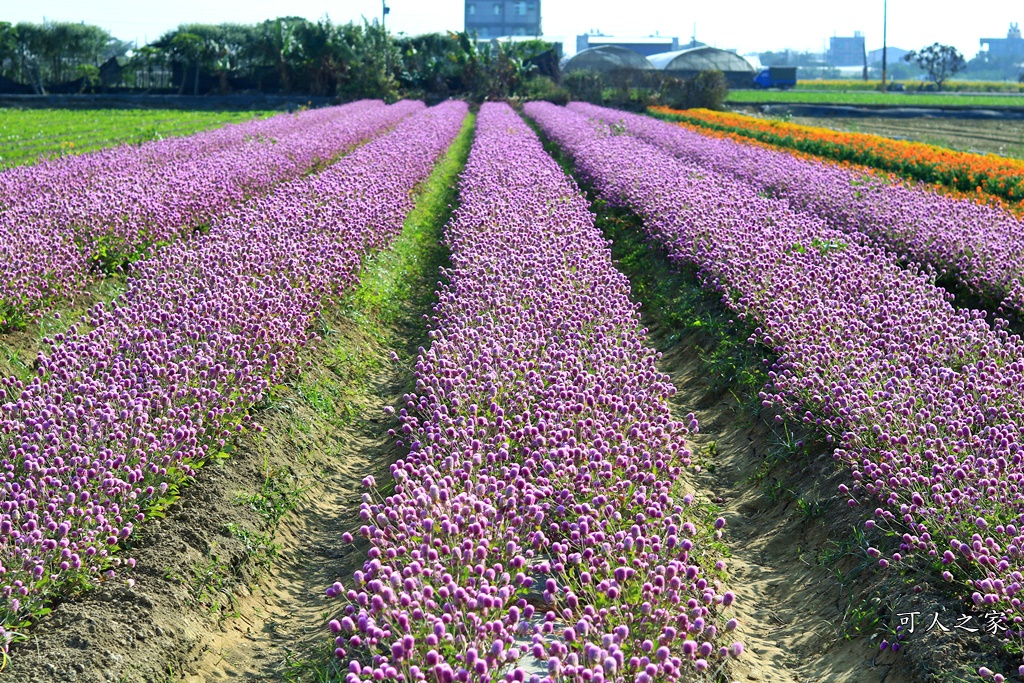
(1010, 47)
(846, 51)
(497, 18)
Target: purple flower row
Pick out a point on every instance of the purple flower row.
(63, 175)
(78, 175)
(540, 513)
(123, 412)
(64, 219)
(981, 247)
(926, 400)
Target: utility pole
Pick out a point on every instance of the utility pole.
(385, 10)
(885, 18)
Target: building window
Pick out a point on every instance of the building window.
(521, 9)
(483, 31)
(471, 8)
(497, 9)
(531, 7)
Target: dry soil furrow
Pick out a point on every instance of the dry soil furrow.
(283, 622)
(791, 606)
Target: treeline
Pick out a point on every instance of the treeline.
(283, 55)
(292, 55)
(38, 55)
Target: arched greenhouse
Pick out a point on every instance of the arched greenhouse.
(690, 62)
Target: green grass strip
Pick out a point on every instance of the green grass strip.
(384, 315)
(391, 278)
(29, 135)
(911, 84)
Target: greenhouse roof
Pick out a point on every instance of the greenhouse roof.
(606, 58)
(701, 59)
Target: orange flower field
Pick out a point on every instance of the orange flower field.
(975, 173)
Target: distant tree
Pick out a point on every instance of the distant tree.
(274, 49)
(504, 70)
(8, 48)
(55, 52)
(64, 46)
(293, 54)
(316, 59)
(707, 90)
(89, 75)
(364, 61)
(226, 48)
(586, 85)
(144, 61)
(428, 64)
(116, 48)
(213, 49)
(897, 71)
(940, 61)
(489, 71)
(190, 49)
(985, 66)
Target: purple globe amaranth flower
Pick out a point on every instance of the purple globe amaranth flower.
(919, 397)
(126, 406)
(59, 219)
(544, 464)
(978, 246)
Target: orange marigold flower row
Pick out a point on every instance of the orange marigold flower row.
(959, 171)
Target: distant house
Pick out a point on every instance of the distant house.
(893, 55)
(111, 72)
(498, 18)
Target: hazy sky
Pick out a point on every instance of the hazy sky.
(743, 24)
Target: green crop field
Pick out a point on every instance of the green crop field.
(895, 99)
(27, 135)
(975, 87)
